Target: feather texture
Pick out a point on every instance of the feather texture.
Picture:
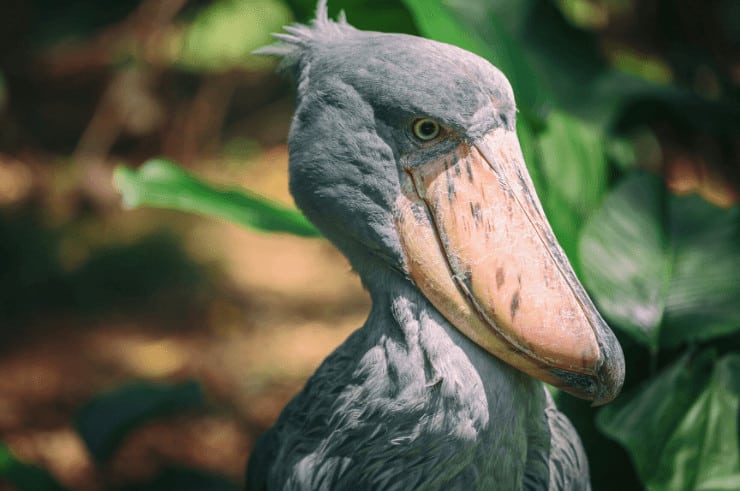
(402, 404)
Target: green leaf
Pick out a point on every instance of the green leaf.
(574, 161)
(528, 143)
(105, 420)
(224, 33)
(25, 477)
(645, 420)
(161, 184)
(436, 21)
(704, 446)
(624, 258)
(575, 168)
(665, 269)
(703, 300)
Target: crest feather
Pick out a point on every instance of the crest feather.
(299, 39)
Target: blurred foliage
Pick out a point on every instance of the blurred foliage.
(23, 476)
(53, 270)
(681, 428)
(104, 421)
(594, 112)
(223, 34)
(664, 268)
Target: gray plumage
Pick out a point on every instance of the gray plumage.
(402, 404)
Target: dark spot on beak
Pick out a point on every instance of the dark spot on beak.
(450, 183)
(499, 277)
(475, 211)
(469, 170)
(514, 304)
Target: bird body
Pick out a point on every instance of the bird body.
(402, 405)
(403, 153)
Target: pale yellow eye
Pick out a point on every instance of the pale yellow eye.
(426, 129)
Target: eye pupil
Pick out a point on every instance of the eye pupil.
(426, 129)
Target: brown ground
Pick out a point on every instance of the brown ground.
(290, 301)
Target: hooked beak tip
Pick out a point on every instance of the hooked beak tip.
(610, 376)
(603, 383)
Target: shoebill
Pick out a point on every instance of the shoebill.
(403, 152)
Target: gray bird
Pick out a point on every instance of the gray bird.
(403, 152)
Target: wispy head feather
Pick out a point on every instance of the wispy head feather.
(298, 39)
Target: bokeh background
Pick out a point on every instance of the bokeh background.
(148, 348)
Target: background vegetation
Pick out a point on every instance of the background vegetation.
(629, 120)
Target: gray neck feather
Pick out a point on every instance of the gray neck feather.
(407, 393)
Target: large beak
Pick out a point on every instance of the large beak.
(478, 245)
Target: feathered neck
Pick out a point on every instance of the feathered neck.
(421, 386)
(409, 402)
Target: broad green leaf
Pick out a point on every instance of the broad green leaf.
(665, 269)
(704, 297)
(574, 166)
(25, 477)
(704, 447)
(105, 420)
(574, 162)
(161, 184)
(224, 33)
(645, 420)
(436, 21)
(624, 258)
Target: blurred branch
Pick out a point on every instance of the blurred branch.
(200, 122)
(127, 102)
